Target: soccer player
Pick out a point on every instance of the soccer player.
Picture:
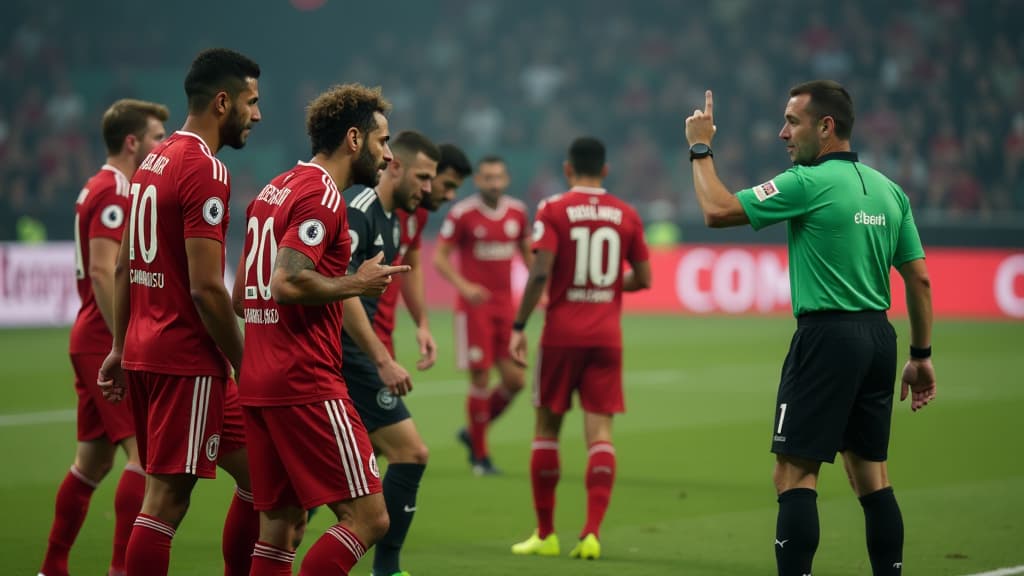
(452, 169)
(376, 380)
(486, 230)
(175, 333)
(308, 445)
(580, 240)
(849, 226)
(131, 128)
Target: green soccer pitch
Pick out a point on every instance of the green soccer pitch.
(693, 493)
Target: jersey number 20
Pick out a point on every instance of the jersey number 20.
(263, 246)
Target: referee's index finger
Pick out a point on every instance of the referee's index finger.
(709, 102)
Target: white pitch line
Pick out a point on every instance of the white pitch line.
(1002, 571)
(30, 418)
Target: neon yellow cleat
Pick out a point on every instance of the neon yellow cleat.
(535, 546)
(588, 548)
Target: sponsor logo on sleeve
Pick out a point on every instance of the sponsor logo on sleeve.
(312, 232)
(447, 229)
(213, 211)
(354, 236)
(112, 216)
(766, 190)
(538, 231)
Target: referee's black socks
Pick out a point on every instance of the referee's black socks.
(401, 483)
(796, 532)
(883, 524)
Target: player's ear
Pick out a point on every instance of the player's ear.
(604, 171)
(222, 102)
(352, 138)
(131, 144)
(828, 126)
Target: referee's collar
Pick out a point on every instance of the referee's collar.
(848, 156)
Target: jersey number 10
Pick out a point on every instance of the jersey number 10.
(598, 256)
(143, 207)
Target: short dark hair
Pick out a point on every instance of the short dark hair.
(491, 159)
(129, 116)
(331, 114)
(829, 98)
(410, 142)
(215, 70)
(453, 157)
(586, 156)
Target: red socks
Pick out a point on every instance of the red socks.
(600, 478)
(544, 473)
(149, 548)
(269, 560)
(241, 530)
(71, 507)
(334, 554)
(478, 409)
(127, 503)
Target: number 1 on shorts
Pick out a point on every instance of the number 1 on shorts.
(782, 416)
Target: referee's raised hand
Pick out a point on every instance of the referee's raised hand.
(700, 127)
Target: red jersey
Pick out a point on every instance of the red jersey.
(487, 240)
(590, 233)
(293, 352)
(99, 213)
(180, 191)
(411, 226)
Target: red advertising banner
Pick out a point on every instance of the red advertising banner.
(725, 279)
(37, 284)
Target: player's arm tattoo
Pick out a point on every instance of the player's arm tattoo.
(293, 262)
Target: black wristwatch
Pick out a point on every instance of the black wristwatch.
(700, 150)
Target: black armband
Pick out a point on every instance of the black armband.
(921, 353)
(518, 326)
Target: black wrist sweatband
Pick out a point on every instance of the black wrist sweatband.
(921, 353)
(518, 326)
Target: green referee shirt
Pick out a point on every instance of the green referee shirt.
(848, 226)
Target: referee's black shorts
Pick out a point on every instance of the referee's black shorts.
(837, 387)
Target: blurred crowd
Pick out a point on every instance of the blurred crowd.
(938, 87)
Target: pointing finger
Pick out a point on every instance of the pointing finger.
(709, 103)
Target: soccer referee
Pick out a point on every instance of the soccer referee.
(848, 225)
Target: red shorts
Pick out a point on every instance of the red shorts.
(309, 454)
(98, 418)
(596, 372)
(481, 336)
(232, 434)
(179, 420)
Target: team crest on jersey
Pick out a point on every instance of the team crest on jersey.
(386, 400)
(396, 234)
(312, 232)
(766, 190)
(512, 228)
(538, 231)
(447, 229)
(112, 216)
(213, 211)
(371, 461)
(410, 226)
(212, 447)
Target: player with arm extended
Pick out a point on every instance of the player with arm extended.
(175, 334)
(486, 230)
(580, 239)
(308, 446)
(849, 225)
(131, 128)
(376, 381)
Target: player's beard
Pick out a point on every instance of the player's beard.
(233, 132)
(366, 169)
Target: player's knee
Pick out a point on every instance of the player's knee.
(377, 525)
(94, 469)
(419, 454)
(514, 384)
